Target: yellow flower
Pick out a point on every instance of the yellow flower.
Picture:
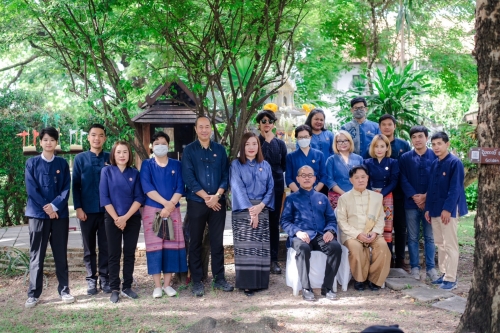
(270, 107)
(307, 108)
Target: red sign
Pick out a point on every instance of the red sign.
(484, 155)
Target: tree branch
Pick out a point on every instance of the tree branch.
(22, 63)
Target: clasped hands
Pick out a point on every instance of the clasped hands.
(254, 215)
(50, 211)
(367, 238)
(304, 236)
(167, 209)
(212, 201)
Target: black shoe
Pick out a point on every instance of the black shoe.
(115, 296)
(129, 293)
(198, 289)
(223, 285)
(308, 295)
(275, 268)
(248, 292)
(373, 286)
(92, 287)
(359, 286)
(329, 294)
(105, 286)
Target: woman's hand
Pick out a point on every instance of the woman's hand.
(164, 213)
(169, 205)
(121, 222)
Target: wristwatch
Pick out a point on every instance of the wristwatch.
(219, 195)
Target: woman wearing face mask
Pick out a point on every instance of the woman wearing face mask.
(305, 155)
(161, 180)
(338, 166)
(384, 175)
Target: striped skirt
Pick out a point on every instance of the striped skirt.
(167, 256)
(252, 251)
(388, 204)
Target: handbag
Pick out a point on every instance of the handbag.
(163, 227)
(370, 223)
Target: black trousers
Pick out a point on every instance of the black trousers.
(399, 228)
(43, 231)
(274, 225)
(130, 236)
(93, 229)
(199, 216)
(333, 253)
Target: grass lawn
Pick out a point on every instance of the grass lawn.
(466, 230)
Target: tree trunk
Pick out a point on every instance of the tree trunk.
(482, 313)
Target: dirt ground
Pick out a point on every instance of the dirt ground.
(351, 312)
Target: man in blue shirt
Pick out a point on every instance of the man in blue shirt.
(414, 168)
(205, 171)
(86, 176)
(387, 125)
(445, 202)
(310, 223)
(48, 181)
(361, 129)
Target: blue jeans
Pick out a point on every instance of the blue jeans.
(413, 219)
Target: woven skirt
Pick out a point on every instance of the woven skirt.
(388, 204)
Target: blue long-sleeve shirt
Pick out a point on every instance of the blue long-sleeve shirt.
(86, 177)
(204, 169)
(367, 130)
(322, 142)
(167, 180)
(446, 187)
(297, 159)
(251, 181)
(414, 174)
(120, 189)
(275, 154)
(384, 175)
(307, 211)
(337, 170)
(47, 182)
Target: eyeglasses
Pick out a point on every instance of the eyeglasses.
(303, 137)
(342, 141)
(306, 175)
(265, 121)
(361, 108)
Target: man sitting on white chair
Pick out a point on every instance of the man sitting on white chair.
(309, 221)
(360, 215)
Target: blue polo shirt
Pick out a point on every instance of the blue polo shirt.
(414, 174)
(204, 169)
(47, 182)
(307, 211)
(86, 177)
(446, 187)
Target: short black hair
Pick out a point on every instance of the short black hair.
(419, 129)
(357, 100)
(50, 131)
(354, 169)
(314, 112)
(97, 126)
(206, 117)
(265, 113)
(303, 128)
(160, 134)
(440, 135)
(385, 117)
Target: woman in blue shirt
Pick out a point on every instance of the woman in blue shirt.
(121, 195)
(252, 197)
(161, 180)
(384, 175)
(322, 139)
(338, 166)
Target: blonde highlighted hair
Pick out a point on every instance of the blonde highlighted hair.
(376, 138)
(348, 137)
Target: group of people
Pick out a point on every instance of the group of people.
(338, 197)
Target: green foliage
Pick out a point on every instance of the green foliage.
(397, 93)
(471, 196)
(462, 139)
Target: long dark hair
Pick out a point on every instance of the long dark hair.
(314, 112)
(242, 158)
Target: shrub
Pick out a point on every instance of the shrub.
(471, 196)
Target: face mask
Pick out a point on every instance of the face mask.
(359, 113)
(160, 150)
(303, 143)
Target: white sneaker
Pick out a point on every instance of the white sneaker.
(31, 302)
(432, 274)
(415, 273)
(157, 293)
(170, 291)
(66, 297)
